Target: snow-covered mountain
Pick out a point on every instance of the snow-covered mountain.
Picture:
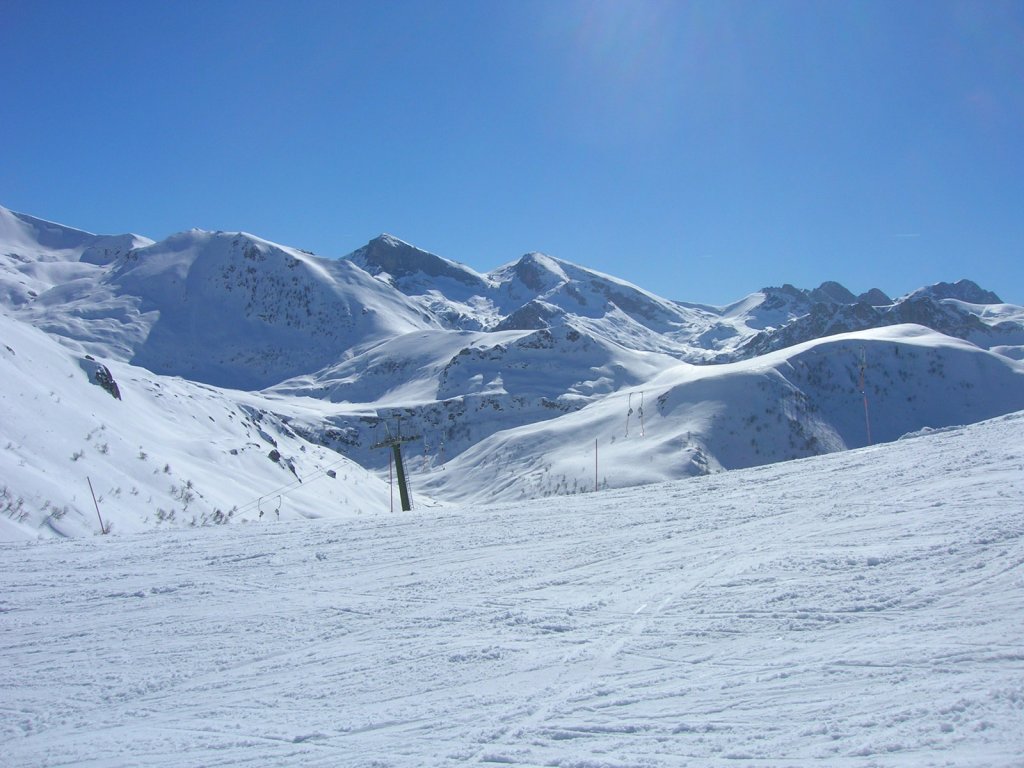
(225, 309)
(510, 380)
(693, 420)
(960, 309)
(37, 256)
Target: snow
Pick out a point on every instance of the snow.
(235, 310)
(788, 404)
(256, 604)
(23, 232)
(863, 608)
(509, 414)
(168, 453)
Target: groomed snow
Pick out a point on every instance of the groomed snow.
(864, 608)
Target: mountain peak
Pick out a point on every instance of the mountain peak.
(831, 292)
(538, 272)
(875, 297)
(24, 233)
(400, 261)
(962, 290)
(385, 240)
(22, 230)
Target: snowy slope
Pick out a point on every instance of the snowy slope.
(37, 255)
(243, 312)
(48, 241)
(858, 609)
(233, 310)
(798, 402)
(168, 453)
(456, 388)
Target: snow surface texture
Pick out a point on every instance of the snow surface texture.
(864, 608)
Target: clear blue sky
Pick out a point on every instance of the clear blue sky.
(699, 149)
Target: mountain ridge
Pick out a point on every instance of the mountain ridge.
(500, 374)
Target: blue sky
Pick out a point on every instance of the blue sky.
(699, 149)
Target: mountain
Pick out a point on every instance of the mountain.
(242, 312)
(791, 404)
(227, 309)
(38, 255)
(534, 292)
(962, 290)
(409, 268)
(449, 291)
(948, 308)
(502, 381)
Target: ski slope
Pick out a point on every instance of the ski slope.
(863, 608)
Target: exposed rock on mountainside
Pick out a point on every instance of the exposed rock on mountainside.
(961, 290)
(101, 376)
(924, 307)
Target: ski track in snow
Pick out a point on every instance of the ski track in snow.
(857, 609)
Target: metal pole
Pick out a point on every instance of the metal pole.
(595, 465)
(395, 460)
(403, 489)
(103, 528)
